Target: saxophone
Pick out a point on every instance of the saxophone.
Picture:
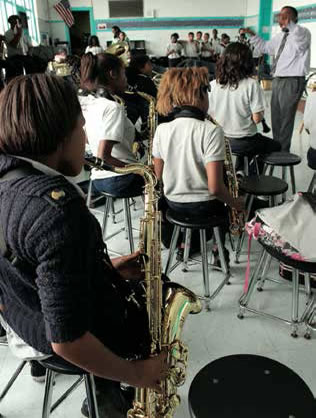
(168, 304)
(236, 219)
(152, 123)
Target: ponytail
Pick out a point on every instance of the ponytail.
(95, 69)
(88, 70)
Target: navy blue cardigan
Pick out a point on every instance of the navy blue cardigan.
(62, 284)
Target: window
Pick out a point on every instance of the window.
(126, 8)
(13, 7)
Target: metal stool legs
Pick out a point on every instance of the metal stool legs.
(90, 391)
(12, 380)
(187, 246)
(173, 246)
(241, 238)
(284, 176)
(48, 393)
(206, 280)
(128, 222)
(91, 396)
(263, 265)
(109, 206)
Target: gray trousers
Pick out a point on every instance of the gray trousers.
(286, 93)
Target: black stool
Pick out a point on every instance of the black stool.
(255, 186)
(188, 224)
(60, 366)
(259, 275)
(246, 162)
(127, 216)
(249, 386)
(285, 160)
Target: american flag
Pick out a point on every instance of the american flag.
(63, 9)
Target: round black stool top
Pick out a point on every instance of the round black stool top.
(121, 196)
(194, 222)
(303, 266)
(282, 159)
(242, 154)
(249, 386)
(263, 185)
(61, 366)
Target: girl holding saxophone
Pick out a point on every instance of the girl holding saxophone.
(189, 152)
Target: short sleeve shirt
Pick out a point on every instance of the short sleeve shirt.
(186, 145)
(21, 47)
(106, 120)
(177, 48)
(233, 108)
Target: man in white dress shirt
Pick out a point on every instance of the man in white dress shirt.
(291, 49)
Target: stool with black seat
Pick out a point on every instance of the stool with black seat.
(55, 365)
(201, 224)
(260, 275)
(109, 207)
(285, 160)
(249, 386)
(255, 186)
(127, 216)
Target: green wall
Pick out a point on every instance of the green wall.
(265, 19)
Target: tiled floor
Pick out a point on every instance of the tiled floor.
(209, 335)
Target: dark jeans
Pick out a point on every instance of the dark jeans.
(311, 158)
(203, 209)
(128, 185)
(251, 146)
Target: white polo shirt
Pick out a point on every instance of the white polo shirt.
(186, 145)
(21, 48)
(94, 50)
(177, 48)
(191, 49)
(233, 108)
(206, 53)
(106, 120)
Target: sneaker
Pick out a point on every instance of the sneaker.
(112, 401)
(38, 372)
(3, 335)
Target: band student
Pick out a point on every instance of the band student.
(237, 104)
(193, 186)
(109, 131)
(64, 296)
(291, 49)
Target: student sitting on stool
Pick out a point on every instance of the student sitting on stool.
(189, 151)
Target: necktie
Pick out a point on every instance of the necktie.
(284, 39)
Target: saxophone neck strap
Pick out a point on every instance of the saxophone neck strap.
(189, 112)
